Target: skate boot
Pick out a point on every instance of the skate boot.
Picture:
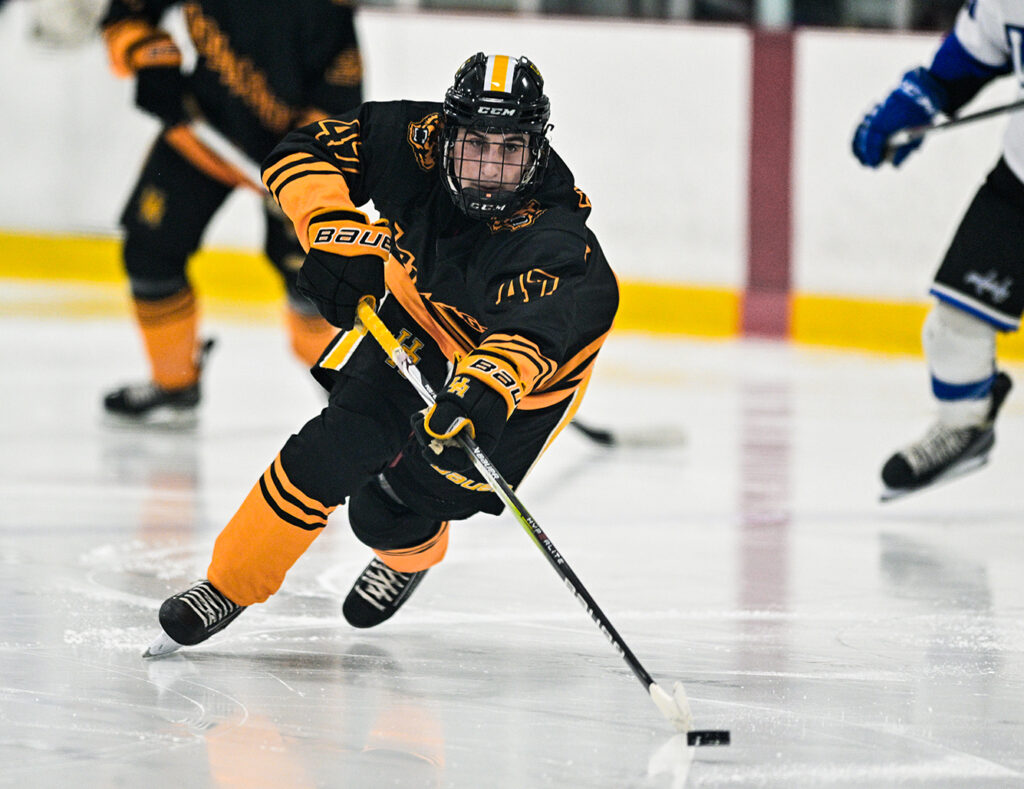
(944, 452)
(149, 404)
(191, 617)
(378, 593)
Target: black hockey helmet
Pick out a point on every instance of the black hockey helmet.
(495, 95)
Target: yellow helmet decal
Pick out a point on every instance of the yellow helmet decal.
(499, 73)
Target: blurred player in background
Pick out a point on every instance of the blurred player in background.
(262, 69)
(979, 287)
(496, 287)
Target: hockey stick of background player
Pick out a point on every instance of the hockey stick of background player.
(660, 436)
(905, 136)
(199, 140)
(674, 707)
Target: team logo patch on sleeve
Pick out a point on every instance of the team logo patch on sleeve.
(422, 138)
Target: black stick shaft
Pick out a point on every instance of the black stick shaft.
(905, 136)
(598, 435)
(555, 559)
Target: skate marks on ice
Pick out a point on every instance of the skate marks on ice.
(300, 649)
(781, 715)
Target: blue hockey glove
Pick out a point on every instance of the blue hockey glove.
(917, 100)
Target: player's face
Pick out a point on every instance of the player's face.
(491, 162)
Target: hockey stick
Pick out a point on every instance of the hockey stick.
(904, 136)
(211, 153)
(648, 439)
(604, 438)
(228, 152)
(674, 707)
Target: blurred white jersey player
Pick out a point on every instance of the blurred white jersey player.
(979, 287)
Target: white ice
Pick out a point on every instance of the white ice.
(842, 641)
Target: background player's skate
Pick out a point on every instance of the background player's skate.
(945, 452)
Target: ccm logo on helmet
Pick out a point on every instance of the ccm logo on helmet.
(495, 111)
(477, 205)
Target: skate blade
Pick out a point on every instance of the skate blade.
(163, 645)
(891, 494)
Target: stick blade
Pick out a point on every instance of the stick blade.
(675, 708)
(664, 437)
(162, 645)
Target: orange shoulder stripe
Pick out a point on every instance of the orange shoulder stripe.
(402, 288)
(120, 37)
(305, 189)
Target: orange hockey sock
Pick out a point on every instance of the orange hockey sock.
(169, 329)
(274, 526)
(419, 557)
(309, 334)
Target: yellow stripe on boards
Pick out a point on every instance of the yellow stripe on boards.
(885, 326)
(224, 274)
(244, 285)
(678, 309)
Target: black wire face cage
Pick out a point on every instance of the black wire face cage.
(494, 146)
(489, 171)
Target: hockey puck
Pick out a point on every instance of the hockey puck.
(708, 737)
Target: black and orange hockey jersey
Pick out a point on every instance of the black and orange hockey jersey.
(263, 67)
(525, 301)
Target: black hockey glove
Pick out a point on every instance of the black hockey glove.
(336, 283)
(160, 91)
(466, 404)
(159, 83)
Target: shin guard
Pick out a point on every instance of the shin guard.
(960, 350)
(309, 335)
(169, 329)
(274, 526)
(418, 557)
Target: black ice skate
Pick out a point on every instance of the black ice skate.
(945, 452)
(148, 404)
(191, 617)
(378, 593)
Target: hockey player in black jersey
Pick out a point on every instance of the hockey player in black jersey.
(484, 267)
(979, 288)
(261, 70)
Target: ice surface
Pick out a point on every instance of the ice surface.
(842, 641)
